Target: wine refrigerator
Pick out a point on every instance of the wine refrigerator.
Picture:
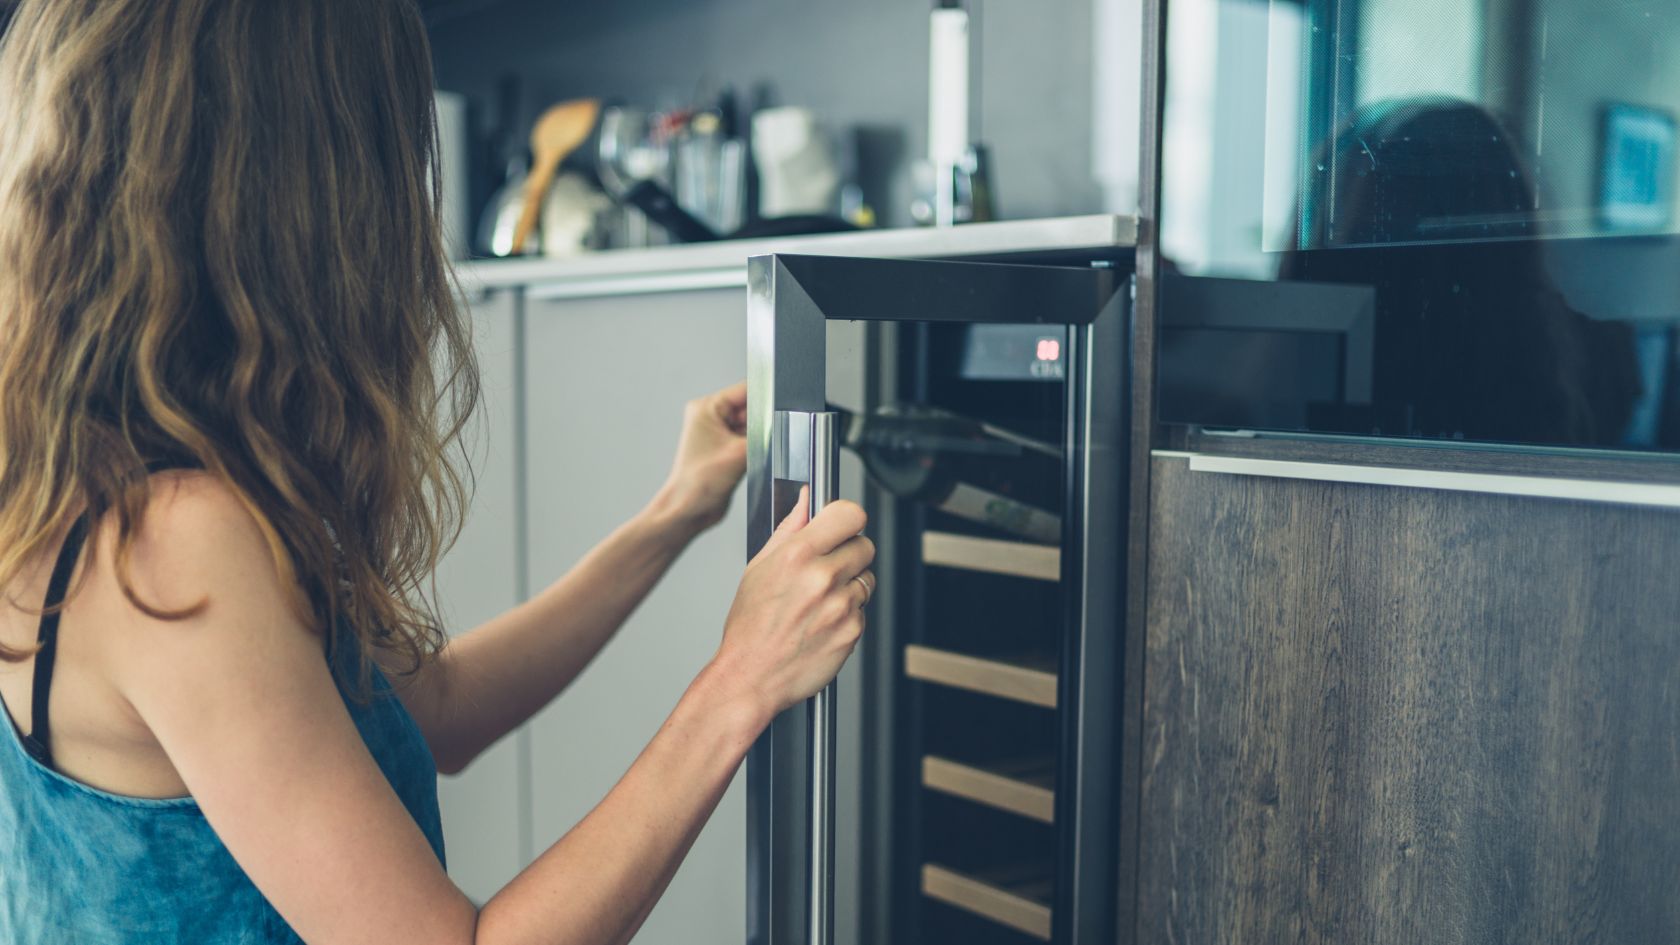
(959, 782)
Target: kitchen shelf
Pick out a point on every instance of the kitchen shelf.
(1034, 685)
(1024, 789)
(1014, 558)
(1018, 903)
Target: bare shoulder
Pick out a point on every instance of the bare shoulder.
(198, 550)
(198, 547)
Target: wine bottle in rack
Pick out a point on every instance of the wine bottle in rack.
(960, 466)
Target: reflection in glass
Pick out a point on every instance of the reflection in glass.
(1499, 176)
(1475, 340)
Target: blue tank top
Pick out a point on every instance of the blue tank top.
(81, 866)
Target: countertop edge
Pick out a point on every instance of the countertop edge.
(978, 239)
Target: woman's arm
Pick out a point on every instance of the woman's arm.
(489, 681)
(242, 702)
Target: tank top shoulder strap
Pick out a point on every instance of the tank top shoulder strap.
(39, 739)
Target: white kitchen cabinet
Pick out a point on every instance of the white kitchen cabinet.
(608, 377)
(595, 426)
(483, 807)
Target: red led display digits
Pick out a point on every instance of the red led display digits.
(1049, 349)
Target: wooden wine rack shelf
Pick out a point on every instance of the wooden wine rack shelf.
(1014, 558)
(1020, 789)
(1032, 685)
(1018, 905)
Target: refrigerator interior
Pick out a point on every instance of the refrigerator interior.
(976, 637)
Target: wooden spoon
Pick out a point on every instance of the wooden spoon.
(559, 132)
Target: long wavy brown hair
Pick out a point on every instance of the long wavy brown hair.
(220, 247)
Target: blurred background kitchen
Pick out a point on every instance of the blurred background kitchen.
(749, 112)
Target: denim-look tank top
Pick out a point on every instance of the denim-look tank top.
(81, 866)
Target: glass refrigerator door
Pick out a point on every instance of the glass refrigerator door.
(958, 783)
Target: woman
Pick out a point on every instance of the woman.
(230, 344)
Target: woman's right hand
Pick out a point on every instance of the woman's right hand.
(799, 610)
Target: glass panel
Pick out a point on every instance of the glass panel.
(1494, 181)
(947, 748)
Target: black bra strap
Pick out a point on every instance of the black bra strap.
(40, 739)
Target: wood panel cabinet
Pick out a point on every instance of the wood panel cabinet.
(1386, 715)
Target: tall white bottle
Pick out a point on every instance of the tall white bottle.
(947, 105)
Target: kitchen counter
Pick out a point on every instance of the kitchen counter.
(723, 264)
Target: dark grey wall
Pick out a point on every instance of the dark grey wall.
(856, 62)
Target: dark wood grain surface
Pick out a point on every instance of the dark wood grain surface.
(1378, 715)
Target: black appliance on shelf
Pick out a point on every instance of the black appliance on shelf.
(1404, 247)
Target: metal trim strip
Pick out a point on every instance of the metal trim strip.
(734, 277)
(1543, 487)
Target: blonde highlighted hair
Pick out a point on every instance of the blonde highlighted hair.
(220, 246)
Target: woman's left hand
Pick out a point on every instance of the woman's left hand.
(711, 457)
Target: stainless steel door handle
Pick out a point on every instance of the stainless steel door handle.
(809, 455)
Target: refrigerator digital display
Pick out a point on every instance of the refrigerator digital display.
(1013, 353)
